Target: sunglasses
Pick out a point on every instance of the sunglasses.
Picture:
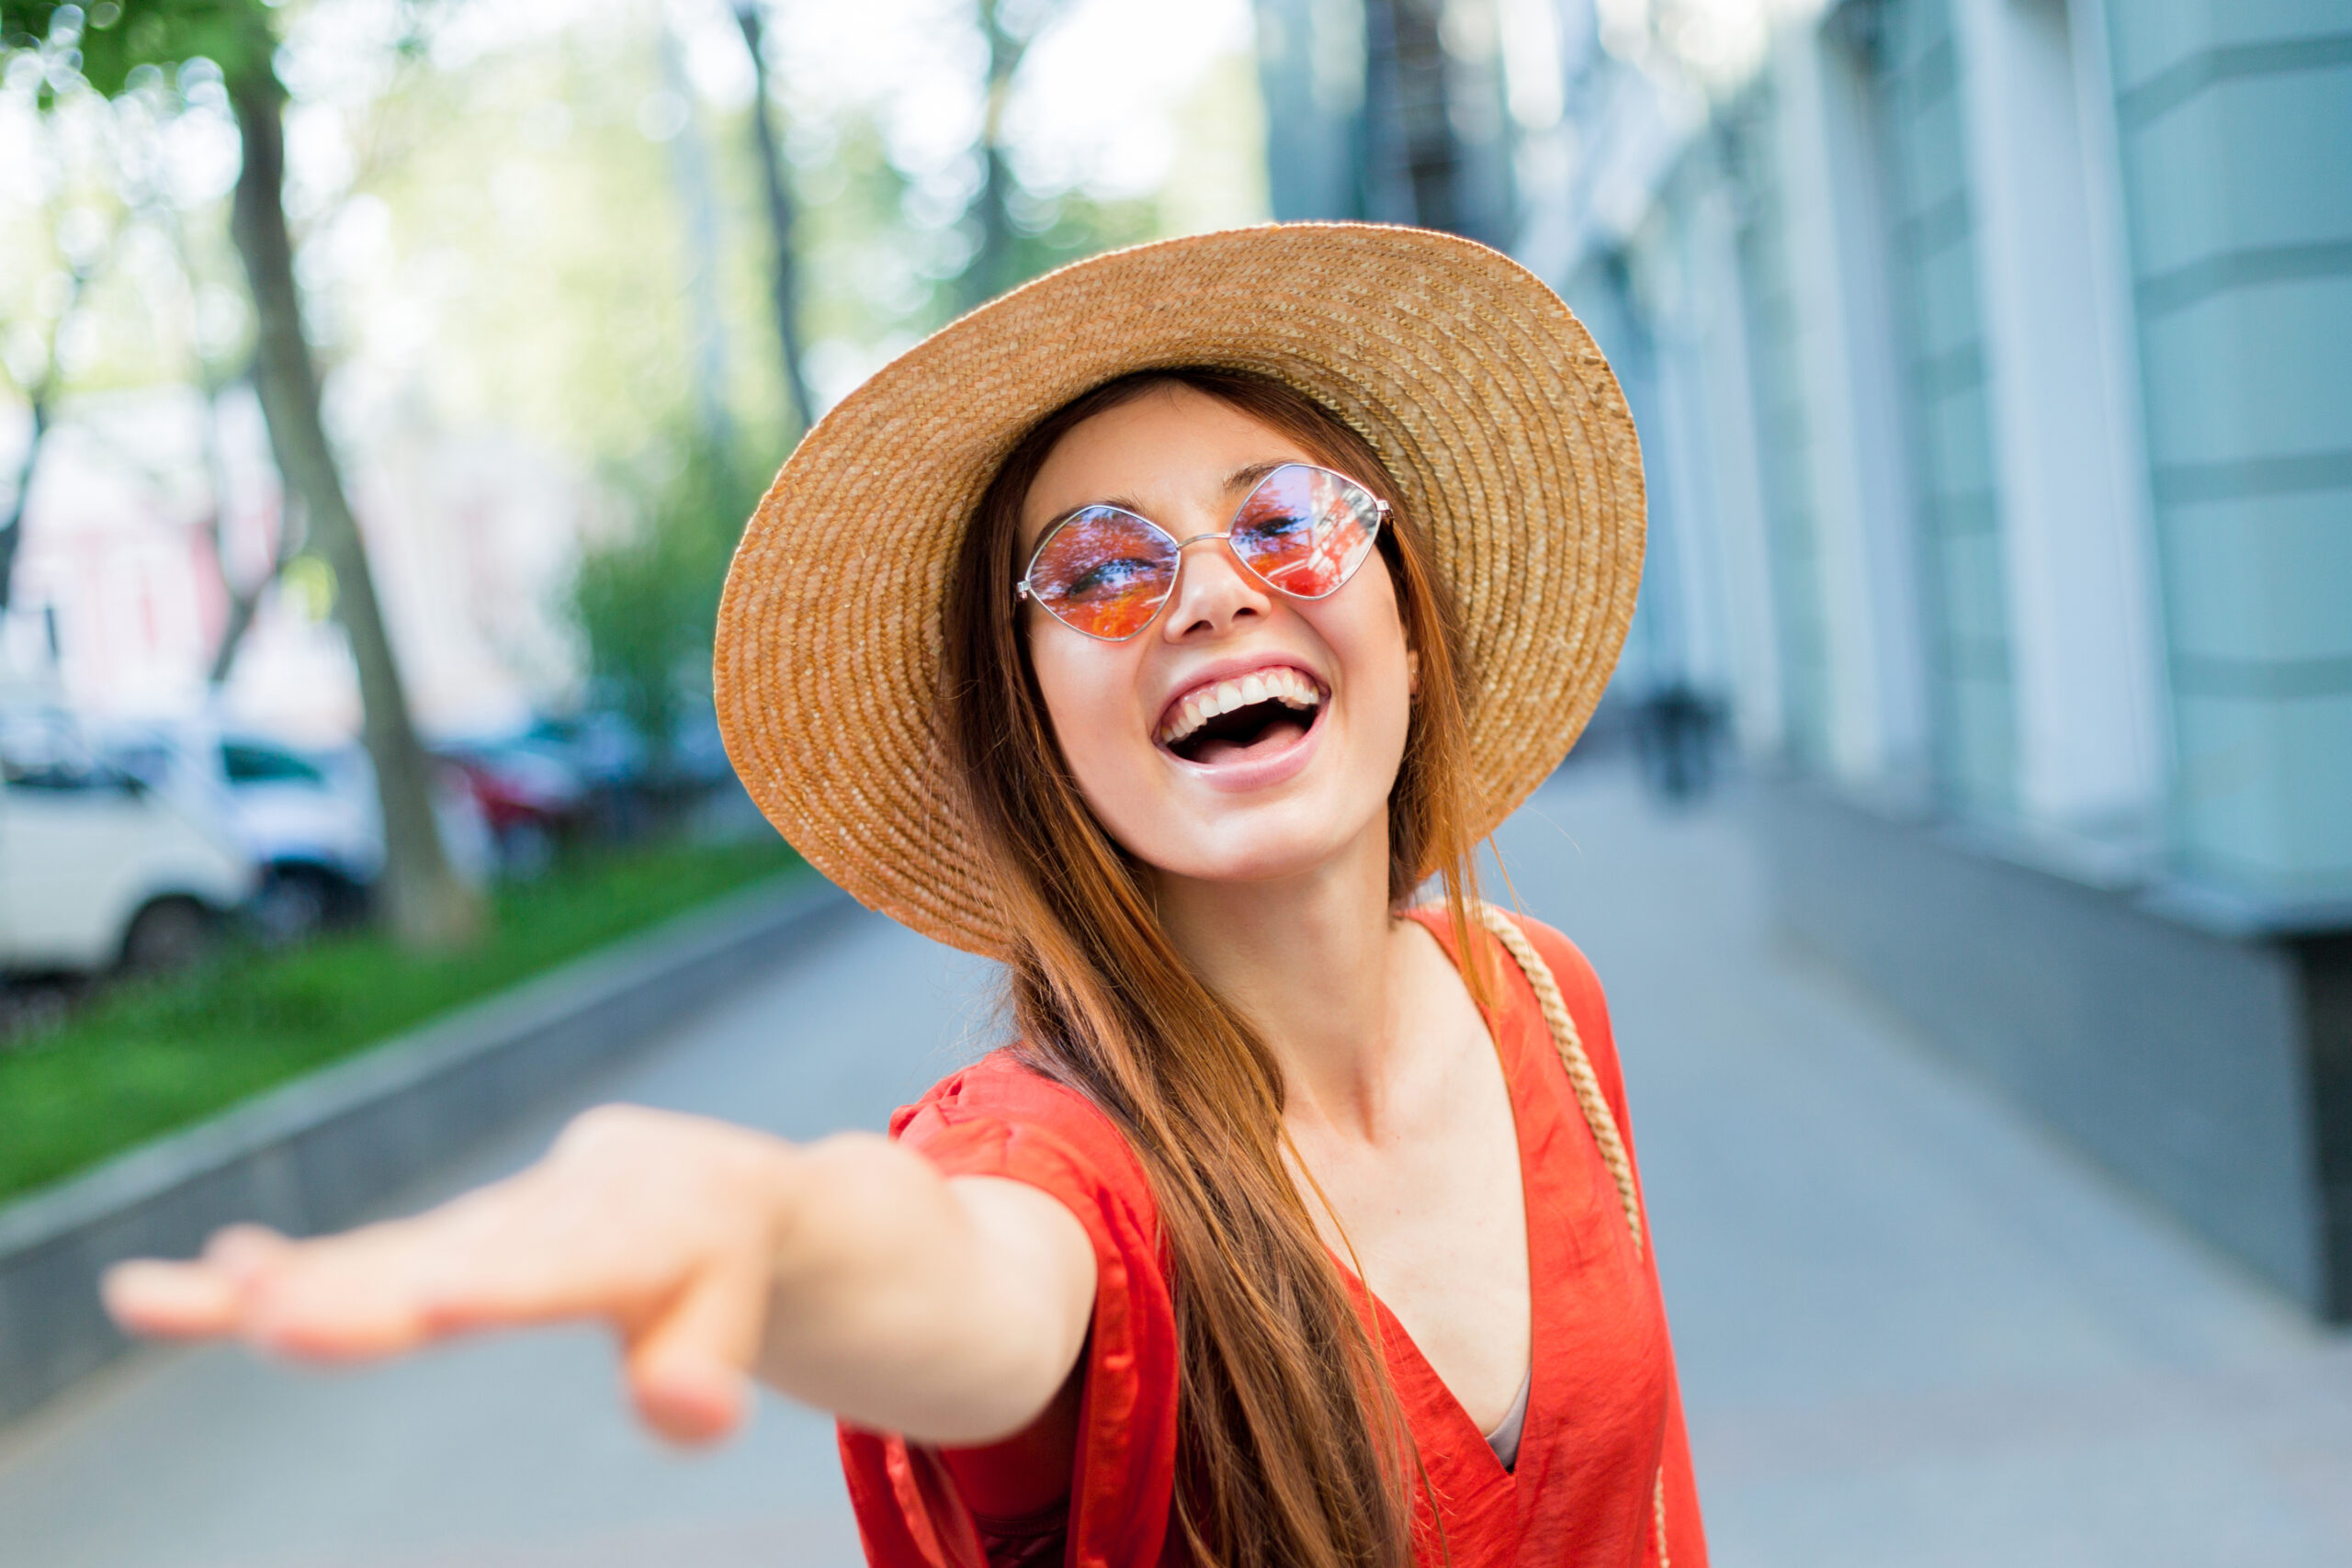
(1106, 572)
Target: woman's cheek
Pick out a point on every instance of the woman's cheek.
(1088, 700)
(1384, 721)
(1366, 634)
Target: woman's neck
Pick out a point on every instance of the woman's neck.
(1318, 964)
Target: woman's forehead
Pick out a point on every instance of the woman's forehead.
(1174, 450)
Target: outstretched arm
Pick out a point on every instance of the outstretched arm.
(847, 1273)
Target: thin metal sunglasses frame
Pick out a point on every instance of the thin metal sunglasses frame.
(1021, 590)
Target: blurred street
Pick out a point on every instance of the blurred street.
(1912, 1330)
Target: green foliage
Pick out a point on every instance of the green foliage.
(148, 1059)
(1053, 231)
(113, 38)
(869, 274)
(646, 603)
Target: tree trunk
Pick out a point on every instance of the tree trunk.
(240, 621)
(985, 277)
(421, 898)
(243, 602)
(42, 395)
(12, 529)
(690, 175)
(776, 179)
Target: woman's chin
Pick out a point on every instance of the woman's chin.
(1240, 872)
(1243, 844)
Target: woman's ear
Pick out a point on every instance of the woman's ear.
(1412, 673)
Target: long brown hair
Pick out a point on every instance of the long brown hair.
(1292, 1453)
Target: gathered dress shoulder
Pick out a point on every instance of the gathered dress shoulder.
(1602, 1472)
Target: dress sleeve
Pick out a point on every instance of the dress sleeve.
(1680, 1539)
(1000, 1119)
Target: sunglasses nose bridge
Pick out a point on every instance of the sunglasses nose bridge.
(1176, 579)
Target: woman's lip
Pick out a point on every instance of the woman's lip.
(1258, 772)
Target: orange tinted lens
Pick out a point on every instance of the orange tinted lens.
(1104, 573)
(1305, 530)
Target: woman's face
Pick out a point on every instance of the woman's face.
(1301, 771)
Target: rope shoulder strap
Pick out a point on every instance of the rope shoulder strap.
(1587, 1083)
(1597, 1116)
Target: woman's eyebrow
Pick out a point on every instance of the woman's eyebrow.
(1117, 502)
(1248, 478)
(1244, 478)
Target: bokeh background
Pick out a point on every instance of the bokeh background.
(1967, 839)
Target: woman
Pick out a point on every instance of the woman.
(1160, 629)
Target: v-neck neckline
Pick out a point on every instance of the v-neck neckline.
(1405, 1349)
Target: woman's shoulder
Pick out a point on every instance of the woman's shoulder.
(1006, 1085)
(1571, 972)
(1588, 1006)
(1002, 1116)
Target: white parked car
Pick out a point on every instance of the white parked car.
(308, 818)
(97, 869)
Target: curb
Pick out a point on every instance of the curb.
(317, 1154)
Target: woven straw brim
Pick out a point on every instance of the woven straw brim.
(1506, 433)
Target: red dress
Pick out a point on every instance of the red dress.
(1603, 1471)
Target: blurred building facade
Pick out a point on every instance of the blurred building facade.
(141, 523)
(1993, 361)
(1394, 111)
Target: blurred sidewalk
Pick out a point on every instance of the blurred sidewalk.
(517, 1451)
(1912, 1330)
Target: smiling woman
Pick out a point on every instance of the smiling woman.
(1330, 820)
(1234, 461)
(1160, 630)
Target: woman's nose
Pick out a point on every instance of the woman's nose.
(1212, 590)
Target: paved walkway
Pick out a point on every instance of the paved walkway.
(1912, 1330)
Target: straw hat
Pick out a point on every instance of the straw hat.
(1506, 433)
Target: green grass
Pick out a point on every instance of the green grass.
(142, 1060)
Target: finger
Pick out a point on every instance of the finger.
(170, 1301)
(200, 1299)
(521, 1253)
(343, 1298)
(363, 1293)
(689, 1369)
(243, 1251)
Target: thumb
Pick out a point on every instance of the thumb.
(689, 1368)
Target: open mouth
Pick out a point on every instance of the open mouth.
(1254, 714)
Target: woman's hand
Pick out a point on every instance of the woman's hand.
(847, 1273)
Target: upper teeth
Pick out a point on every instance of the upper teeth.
(1289, 687)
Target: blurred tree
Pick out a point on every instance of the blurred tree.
(43, 318)
(1020, 231)
(423, 900)
(244, 597)
(646, 600)
(800, 406)
(697, 201)
(217, 368)
(40, 390)
(1008, 26)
